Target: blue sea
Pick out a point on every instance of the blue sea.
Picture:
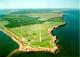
(68, 35)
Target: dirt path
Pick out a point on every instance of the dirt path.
(22, 45)
(15, 38)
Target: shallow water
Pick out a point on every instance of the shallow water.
(7, 45)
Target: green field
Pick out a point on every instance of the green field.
(33, 28)
(32, 34)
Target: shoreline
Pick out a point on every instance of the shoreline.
(22, 46)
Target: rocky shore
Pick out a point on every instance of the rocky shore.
(23, 47)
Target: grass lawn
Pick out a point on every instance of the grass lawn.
(33, 30)
(36, 35)
(2, 23)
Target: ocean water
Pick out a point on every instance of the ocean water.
(7, 45)
(68, 35)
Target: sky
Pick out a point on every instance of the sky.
(19, 4)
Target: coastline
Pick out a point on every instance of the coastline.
(23, 48)
(64, 34)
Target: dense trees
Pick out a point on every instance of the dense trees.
(16, 21)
